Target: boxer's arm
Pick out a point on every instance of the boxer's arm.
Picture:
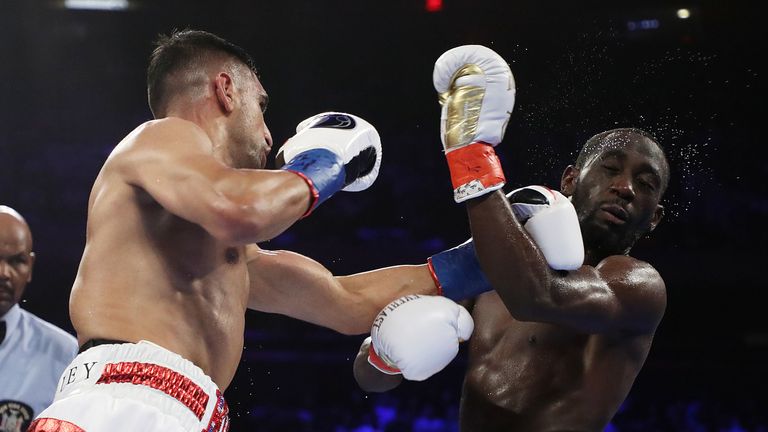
(291, 284)
(368, 377)
(172, 161)
(620, 294)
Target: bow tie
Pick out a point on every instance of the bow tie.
(2, 331)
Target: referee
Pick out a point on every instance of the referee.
(33, 352)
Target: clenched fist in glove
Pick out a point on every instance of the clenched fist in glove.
(477, 93)
(418, 335)
(333, 151)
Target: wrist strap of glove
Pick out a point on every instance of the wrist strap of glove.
(475, 171)
(322, 169)
(457, 272)
(381, 364)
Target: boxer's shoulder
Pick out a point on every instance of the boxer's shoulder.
(640, 289)
(157, 143)
(170, 134)
(630, 270)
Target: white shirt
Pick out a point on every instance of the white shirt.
(33, 356)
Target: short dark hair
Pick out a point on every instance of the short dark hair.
(183, 50)
(596, 144)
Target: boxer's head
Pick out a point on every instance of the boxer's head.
(616, 186)
(16, 258)
(198, 71)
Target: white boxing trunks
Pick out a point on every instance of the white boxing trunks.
(130, 388)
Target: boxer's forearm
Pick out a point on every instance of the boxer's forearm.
(260, 204)
(370, 291)
(513, 264)
(294, 285)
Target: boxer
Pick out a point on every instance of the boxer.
(171, 263)
(554, 348)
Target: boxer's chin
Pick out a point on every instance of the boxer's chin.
(254, 159)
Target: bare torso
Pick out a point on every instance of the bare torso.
(529, 376)
(147, 274)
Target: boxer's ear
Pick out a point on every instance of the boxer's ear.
(568, 180)
(225, 90)
(658, 215)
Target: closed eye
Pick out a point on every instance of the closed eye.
(648, 185)
(649, 180)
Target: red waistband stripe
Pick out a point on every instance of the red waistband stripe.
(48, 424)
(160, 378)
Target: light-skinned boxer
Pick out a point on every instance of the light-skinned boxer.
(171, 263)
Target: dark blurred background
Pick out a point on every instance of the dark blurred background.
(72, 86)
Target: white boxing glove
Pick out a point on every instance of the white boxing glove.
(333, 151)
(551, 221)
(418, 335)
(477, 93)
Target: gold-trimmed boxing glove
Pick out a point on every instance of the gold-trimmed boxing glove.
(477, 93)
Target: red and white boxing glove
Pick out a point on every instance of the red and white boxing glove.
(418, 336)
(551, 221)
(477, 92)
